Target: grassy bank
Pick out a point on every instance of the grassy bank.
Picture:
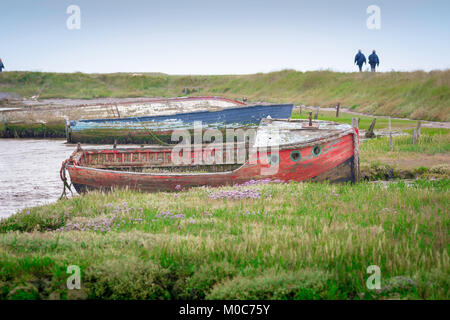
(417, 95)
(263, 241)
(428, 158)
(32, 130)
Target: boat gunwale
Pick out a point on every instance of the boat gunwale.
(57, 107)
(155, 117)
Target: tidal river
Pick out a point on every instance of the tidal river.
(29, 172)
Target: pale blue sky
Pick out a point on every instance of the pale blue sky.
(222, 37)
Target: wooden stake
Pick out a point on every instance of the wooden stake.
(337, 110)
(356, 170)
(317, 113)
(391, 143)
(369, 133)
(310, 119)
(414, 136)
(419, 124)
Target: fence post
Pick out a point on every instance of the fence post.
(317, 113)
(391, 143)
(310, 119)
(414, 136)
(337, 109)
(356, 170)
(369, 133)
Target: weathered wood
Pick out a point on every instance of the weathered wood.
(369, 133)
(355, 163)
(419, 124)
(414, 136)
(310, 119)
(391, 143)
(316, 115)
(337, 109)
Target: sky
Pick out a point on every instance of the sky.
(222, 37)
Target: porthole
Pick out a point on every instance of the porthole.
(274, 159)
(316, 151)
(295, 155)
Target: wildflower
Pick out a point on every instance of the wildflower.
(178, 187)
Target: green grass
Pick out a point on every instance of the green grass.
(418, 95)
(364, 123)
(32, 130)
(429, 157)
(432, 141)
(297, 241)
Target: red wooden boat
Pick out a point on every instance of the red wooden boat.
(323, 151)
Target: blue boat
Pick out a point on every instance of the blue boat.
(158, 129)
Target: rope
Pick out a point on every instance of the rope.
(154, 136)
(62, 175)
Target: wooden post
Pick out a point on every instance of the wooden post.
(337, 109)
(391, 143)
(310, 119)
(369, 133)
(115, 144)
(359, 119)
(416, 132)
(317, 113)
(356, 169)
(66, 129)
(414, 136)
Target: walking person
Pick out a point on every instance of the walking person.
(373, 61)
(2, 66)
(360, 59)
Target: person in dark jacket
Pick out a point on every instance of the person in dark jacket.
(374, 61)
(360, 59)
(2, 66)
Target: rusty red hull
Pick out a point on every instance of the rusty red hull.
(334, 160)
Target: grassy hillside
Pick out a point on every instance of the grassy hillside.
(417, 95)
